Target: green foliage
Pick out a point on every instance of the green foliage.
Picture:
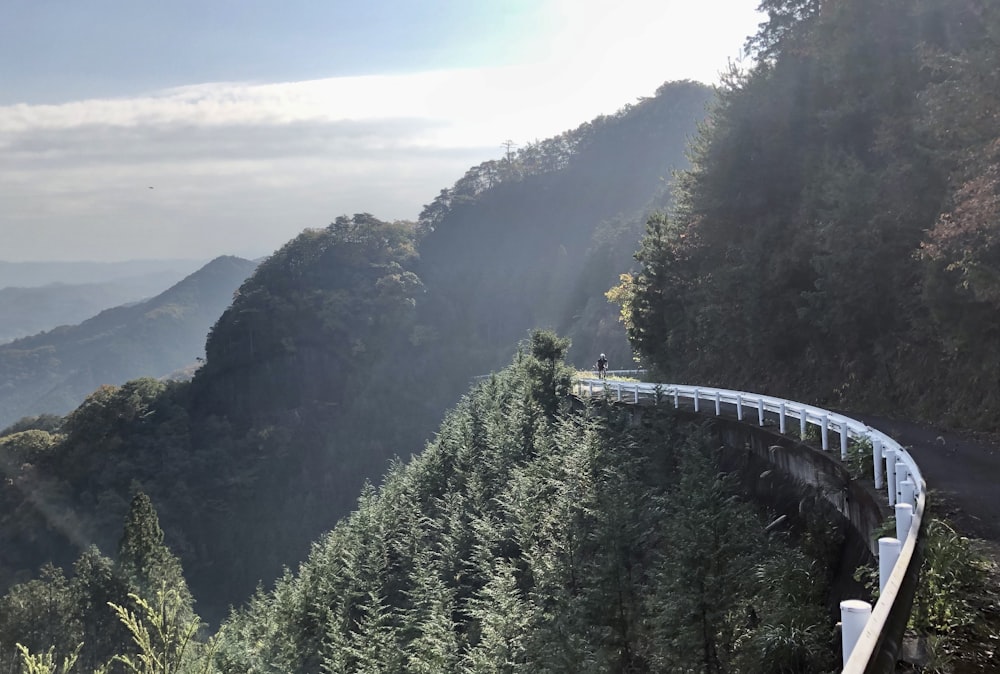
(860, 459)
(54, 371)
(137, 613)
(146, 563)
(43, 422)
(955, 617)
(27, 446)
(164, 633)
(951, 577)
(38, 614)
(525, 541)
(783, 29)
(544, 364)
(45, 663)
(834, 239)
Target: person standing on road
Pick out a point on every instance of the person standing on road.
(602, 367)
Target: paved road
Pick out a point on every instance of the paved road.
(962, 470)
(962, 473)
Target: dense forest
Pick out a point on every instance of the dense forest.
(525, 537)
(340, 352)
(53, 371)
(836, 237)
(535, 238)
(831, 240)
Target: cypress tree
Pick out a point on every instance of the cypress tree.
(145, 561)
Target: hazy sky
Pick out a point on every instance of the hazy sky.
(195, 128)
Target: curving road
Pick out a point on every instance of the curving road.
(962, 473)
(961, 469)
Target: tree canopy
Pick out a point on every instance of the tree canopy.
(832, 240)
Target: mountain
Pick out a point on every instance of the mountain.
(837, 238)
(54, 371)
(339, 353)
(27, 311)
(834, 237)
(536, 238)
(522, 539)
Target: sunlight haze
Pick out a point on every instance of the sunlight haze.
(194, 130)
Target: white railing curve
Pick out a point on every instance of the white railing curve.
(894, 471)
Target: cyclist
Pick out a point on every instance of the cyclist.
(602, 367)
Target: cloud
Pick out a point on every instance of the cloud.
(241, 167)
(234, 168)
(456, 108)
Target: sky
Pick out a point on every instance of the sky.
(195, 128)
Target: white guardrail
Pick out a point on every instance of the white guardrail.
(895, 471)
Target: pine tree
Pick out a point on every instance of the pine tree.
(95, 585)
(145, 561)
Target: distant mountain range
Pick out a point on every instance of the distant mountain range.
(340, 352)
(52, 372)
(37, 296)
(35, 274)
(27, 311)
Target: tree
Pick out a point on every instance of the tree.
(38, 614)
(784, 19)
(144, 560)
(544, 364)
(164, 634)
(95, 586)
(701, 577)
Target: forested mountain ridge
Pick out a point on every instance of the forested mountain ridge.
(27, 311)
(246, 462)
(836, 238)
(528, 537)
(833, 240)
(52, 372)
(334, 357)
(535, 238)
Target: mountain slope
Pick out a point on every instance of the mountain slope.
(528, 537)
(27, 311)
(534, 239)
(54, 371)
(837, 238)
(337, 355)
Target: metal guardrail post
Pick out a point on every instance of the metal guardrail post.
(906, 492)
(890, 474)
(739, 406)
(825, 431)
(844, 430)
(718, 403)
(888, 554)
(854, 615)
(904, 517)
(781, 418)
(901, 476)
(760, 411)
(877, 462)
